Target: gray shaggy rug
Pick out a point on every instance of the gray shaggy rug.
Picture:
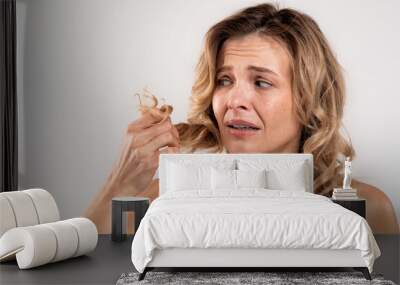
(229, 278)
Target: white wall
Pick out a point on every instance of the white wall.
(80, 62)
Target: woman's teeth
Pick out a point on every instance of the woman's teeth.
(239, 127)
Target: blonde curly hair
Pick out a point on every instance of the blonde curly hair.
(316, 79)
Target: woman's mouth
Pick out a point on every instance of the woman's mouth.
(239, 128)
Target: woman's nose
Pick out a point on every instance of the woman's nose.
(239, 97)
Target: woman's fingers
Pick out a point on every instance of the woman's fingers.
(164, 139)
(158, 114)
(152, 162)
(170, 149)
(145, 136)
(145, 142)
(145, 121)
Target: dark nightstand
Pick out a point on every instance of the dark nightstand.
(120, 205)
(357, 206)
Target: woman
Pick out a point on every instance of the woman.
(266, 82)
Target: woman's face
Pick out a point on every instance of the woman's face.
(252, 100)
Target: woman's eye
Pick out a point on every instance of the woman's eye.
(223, 82)
(262, 84)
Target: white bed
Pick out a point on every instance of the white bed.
(215, 211)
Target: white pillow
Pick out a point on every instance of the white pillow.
(223, 179)
(181, 177)
(281, 174)
(251, 178)
(287, 179)
(229, 179)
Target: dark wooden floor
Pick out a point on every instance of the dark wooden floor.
(110, 260)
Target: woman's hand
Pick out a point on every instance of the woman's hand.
(133, 172)
(138, 163)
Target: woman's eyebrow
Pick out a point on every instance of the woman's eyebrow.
(223, 68)
(250, 67)
(262, 69)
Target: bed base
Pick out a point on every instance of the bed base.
(364, 270)
(250, 259)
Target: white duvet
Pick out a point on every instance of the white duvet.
(251, 218)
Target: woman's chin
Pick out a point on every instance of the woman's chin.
(241, 147)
